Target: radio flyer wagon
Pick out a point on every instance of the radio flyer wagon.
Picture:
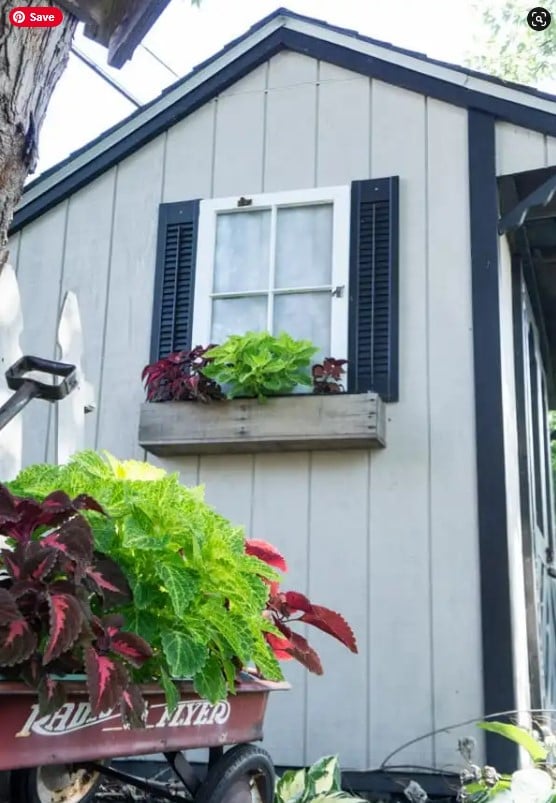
(62, 757)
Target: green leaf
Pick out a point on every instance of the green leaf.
(180, 583)
(519, 736)
(185, 657)
(140, 533)
(292, 786)
(170, 690)
(142, 595)
(325, 775)
(210, 683)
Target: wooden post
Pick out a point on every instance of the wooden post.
(11, 327)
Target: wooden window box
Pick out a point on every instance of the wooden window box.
(282, 424)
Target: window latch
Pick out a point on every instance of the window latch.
(244, 201)
(338, 291)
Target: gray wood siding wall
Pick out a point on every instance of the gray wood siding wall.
(389, 539)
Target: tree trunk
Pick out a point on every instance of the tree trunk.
(31, 62)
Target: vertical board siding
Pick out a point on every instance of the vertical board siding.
(13, 248)
(189, 157)
(291, 112)
(453, 475)
(399, 572)
(280, 515)
(518, 149)
(130, 299)
(41, 254)
(550, 151)
(340, 89)
(238, 159)
(85, 272)
(337, 561)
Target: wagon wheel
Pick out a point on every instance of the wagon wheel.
(245, 774)
(60, 783)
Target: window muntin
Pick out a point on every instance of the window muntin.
(278, 264)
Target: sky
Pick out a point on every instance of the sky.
(83, 105)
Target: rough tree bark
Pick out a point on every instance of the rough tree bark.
(31, 62)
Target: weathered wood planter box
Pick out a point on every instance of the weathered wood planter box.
(72, 735)
(286, 423)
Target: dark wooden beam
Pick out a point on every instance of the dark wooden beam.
(137, 21)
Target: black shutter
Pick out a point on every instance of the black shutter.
(373, 303)
(174, 278)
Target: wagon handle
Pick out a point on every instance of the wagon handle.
(27, 389)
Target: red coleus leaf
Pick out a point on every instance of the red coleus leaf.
(297, 602)
(8, 508)
(106, 679)
(66, 619)
(302, 651)
(132, 707)
(84, 502)
(9, 612)
(17, 642)
(266, 552)
(12, 561)
(39, 561)
(28, 519)
(131, 647)
(332, 623)
(74, 539)
(280, 646)
(51, 695)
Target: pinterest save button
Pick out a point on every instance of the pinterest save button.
(36, 17)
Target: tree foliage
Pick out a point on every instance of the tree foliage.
(505, 46)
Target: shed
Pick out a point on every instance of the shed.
(387, 184)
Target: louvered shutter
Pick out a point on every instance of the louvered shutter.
(174, 278)
(373, 303)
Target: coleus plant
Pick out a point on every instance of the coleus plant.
(327, 376)
(206, 600)
(180, 377)
(285, 608)
(54, 589)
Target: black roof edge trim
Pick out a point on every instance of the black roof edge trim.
(280, 39)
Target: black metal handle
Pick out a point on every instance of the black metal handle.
(16, 377)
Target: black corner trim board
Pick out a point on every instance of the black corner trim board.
(498, 674)
(278, 40)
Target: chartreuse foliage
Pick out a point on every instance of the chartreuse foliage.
(198, 598)
(321, 782)
(257, 364)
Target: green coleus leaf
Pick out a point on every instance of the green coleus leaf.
(519, 736)
(211, 683)
(180, 583)
(185, 657)
(141, 533)
(170, 690)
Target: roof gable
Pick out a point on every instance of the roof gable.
(285, 30)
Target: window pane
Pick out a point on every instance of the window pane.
(305, 316)
(304, 246)
(242, 252)
(234, 316)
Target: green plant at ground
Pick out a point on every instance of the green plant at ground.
(535, 784)
(258, 364)
(205, 599)
(319, 783)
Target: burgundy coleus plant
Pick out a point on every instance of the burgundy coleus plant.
(179, 377)
(285, 608)
(327, 376)
(54, 591)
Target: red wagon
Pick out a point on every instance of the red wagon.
(61, 758)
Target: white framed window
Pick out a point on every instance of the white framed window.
(275, 262)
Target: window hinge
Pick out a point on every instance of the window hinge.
(338, 291)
